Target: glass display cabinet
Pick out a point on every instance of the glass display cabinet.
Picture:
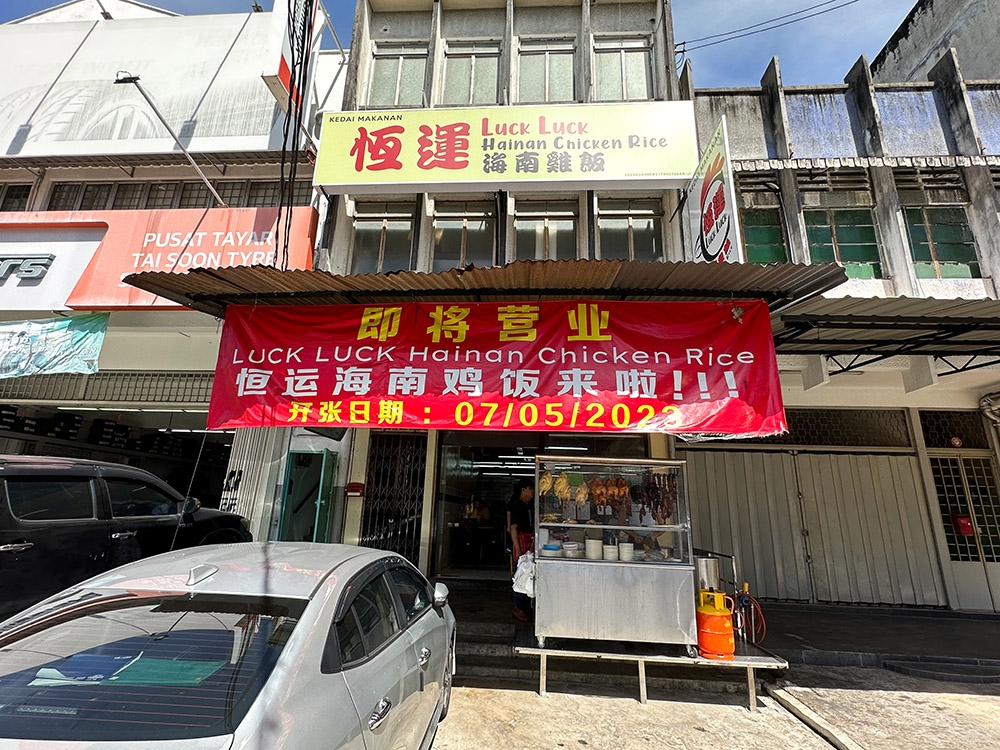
(613, 551)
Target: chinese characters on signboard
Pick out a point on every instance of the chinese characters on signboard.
(712, 213)
(681, 367)
(451, 150)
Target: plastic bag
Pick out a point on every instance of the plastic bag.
(524, 575)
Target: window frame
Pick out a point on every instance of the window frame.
(976, 268)
(621, 45)
(630, 213)
(474, 50)
(365, 213)
(878, 267)
(744, 225)
(549, 211)
(568, 47)
(5, 190)
(110, 481)
(424, 585)
(60, 479)
(471, 211)
(400, 50)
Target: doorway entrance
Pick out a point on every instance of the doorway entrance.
(476, 475)
(308, 497)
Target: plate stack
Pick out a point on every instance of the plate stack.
(572, 549)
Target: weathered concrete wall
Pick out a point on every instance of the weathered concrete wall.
(970, 26)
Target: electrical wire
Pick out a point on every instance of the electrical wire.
(761, 23)
(737, 35)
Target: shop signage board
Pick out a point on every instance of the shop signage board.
(588, 366)
(57, 260)
(50, 346)
(554, 147)
(712, 215)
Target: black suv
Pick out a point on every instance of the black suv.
(63, 520)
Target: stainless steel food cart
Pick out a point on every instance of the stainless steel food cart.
(580, 594)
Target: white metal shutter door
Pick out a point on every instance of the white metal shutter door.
(869, 532)
(746, 504)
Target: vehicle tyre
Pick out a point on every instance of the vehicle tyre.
(221, 536)
(449, 672)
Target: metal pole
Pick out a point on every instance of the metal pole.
(126, 78)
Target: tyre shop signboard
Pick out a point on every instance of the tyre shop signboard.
(550, 147)
(677, 367)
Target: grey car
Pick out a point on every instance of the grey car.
(246, 646)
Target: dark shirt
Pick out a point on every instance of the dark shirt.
(522, 515)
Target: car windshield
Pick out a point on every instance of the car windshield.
(169, 668)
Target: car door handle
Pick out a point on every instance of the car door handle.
(123, 535)
(16, 547)
(425, 658)
(379, 714)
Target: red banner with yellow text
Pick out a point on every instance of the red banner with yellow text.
(588, 366)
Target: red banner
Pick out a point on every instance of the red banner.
(679, 367)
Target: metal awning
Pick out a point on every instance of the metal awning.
(964, 334)
(211, 290)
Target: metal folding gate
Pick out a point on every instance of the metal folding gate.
(393, 508)
(826, 527)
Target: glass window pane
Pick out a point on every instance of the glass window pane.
(858, 253)
(863, 270)
(950, 232)
(531, 78)
(50, 500)
(376, 611)
(161, 195)
(561, 77)
(766, 254)
(614, 238)
(949, 252)
(138, 499)
(411, 82)
(816, 218)
(96, 197)
(195, 195)
(447, 244)
(960, 271)
(15, 198)
(64, 196)
(128, 196)
(637, 76)
(457, 80)
(302, 193)
(819, 236)
(762, 235)
(819, 253)
(263, 194)
(412, 591)
(608, 76)
(398, 241)
(383, 89)
(232, 192)
(855, 234)
(646, 239)
(484, 87)
(367, 239)
(352, 646)
(562, 240)
(479, 240)
(530, 239)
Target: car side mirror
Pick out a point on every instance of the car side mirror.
(440, 595)
(191, 504)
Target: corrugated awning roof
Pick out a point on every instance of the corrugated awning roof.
(880, 328)
(211, 290)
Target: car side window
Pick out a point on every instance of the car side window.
(131, 498)
(376, 612)
(352, 646)
(50, 499)
(412, 591)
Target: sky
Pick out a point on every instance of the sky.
(817, 50)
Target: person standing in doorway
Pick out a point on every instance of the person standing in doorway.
(521, 527)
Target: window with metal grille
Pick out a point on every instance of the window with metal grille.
(630, 229)
(195, 195)
(953, 429)
(545, 230)
(464, 234)
(545, 70)
(161, 195)
(128, 196)
(471, 73)
(398, 75)
(15, 197)
(96, 196)
(383, 237)
(941, 243)
(263, 194)
(846, 236)
(623, 69)
(953, 499)
(394, 493)
(763, 235)
(985, 502)
(232, 192)
(302, 193)
(64, 196)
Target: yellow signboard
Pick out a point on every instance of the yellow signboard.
(549, 147)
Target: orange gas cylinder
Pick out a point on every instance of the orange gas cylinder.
(715, 626)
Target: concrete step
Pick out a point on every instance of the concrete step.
(974, 674)
(499, 647)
